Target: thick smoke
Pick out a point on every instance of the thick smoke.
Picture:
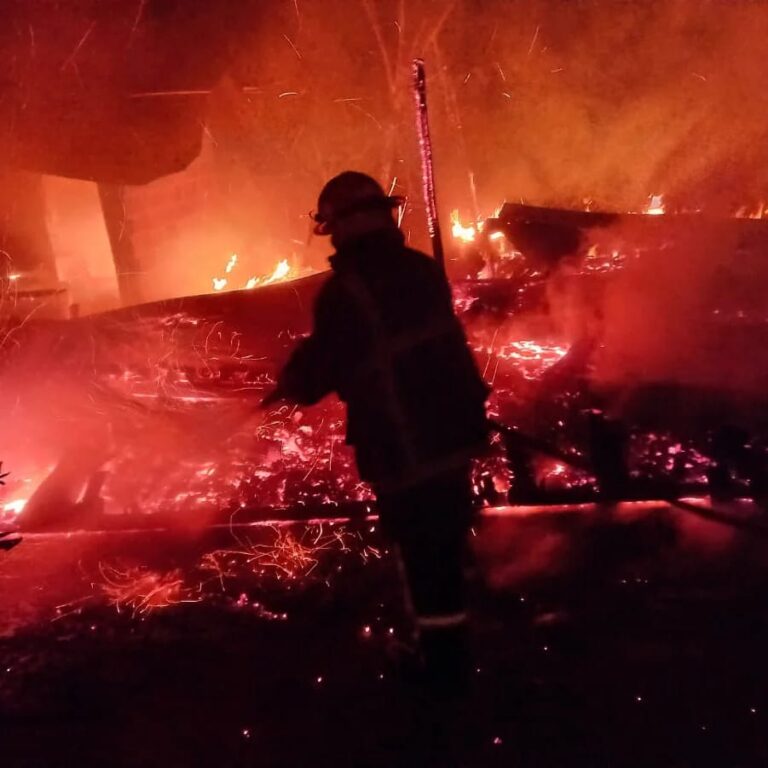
(691, 312)
(551, 102)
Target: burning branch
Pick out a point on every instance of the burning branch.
(427, 161)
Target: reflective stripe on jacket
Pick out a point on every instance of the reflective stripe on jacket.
(386, 339)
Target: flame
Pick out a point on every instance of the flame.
(15, 507)
(282, 271)
(459, 231)
(655, 206)
(757, 213)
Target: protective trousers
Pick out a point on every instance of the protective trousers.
(430, 523)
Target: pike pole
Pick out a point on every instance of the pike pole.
(427, 161)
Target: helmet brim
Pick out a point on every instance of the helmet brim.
(324, 226)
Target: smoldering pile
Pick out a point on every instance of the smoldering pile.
(152, 412)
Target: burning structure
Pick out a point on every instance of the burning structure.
(154, 406)
(600, 170)
(596, 327)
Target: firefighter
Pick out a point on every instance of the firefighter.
(387, 341)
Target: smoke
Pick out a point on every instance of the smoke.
(101, 420)
(551, 102)
(611, 102)
(690, 312)
(547, 102)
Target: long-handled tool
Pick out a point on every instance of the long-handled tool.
(427, 160)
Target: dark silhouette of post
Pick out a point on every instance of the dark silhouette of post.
(127, 267)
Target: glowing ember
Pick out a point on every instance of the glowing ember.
(531, 358)
(285, 558)
(598, 261)
(142, 590)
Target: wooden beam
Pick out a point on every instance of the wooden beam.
(127, 266)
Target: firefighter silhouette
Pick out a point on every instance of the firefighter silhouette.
(386, 339)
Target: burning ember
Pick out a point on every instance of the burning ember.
(287, 557)
(532, 359)
(141, 590)
(271, 561)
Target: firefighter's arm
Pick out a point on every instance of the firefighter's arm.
(315, 366)
(305, 378)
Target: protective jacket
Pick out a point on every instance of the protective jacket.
(386, 339)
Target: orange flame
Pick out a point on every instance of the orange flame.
(459, 231)
(282, 271)
(655, 206)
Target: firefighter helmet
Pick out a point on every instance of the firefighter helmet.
(348, 193)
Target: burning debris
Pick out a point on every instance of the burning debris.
(623, 344)
(186, 375)
(262, 568)
(162, 397)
